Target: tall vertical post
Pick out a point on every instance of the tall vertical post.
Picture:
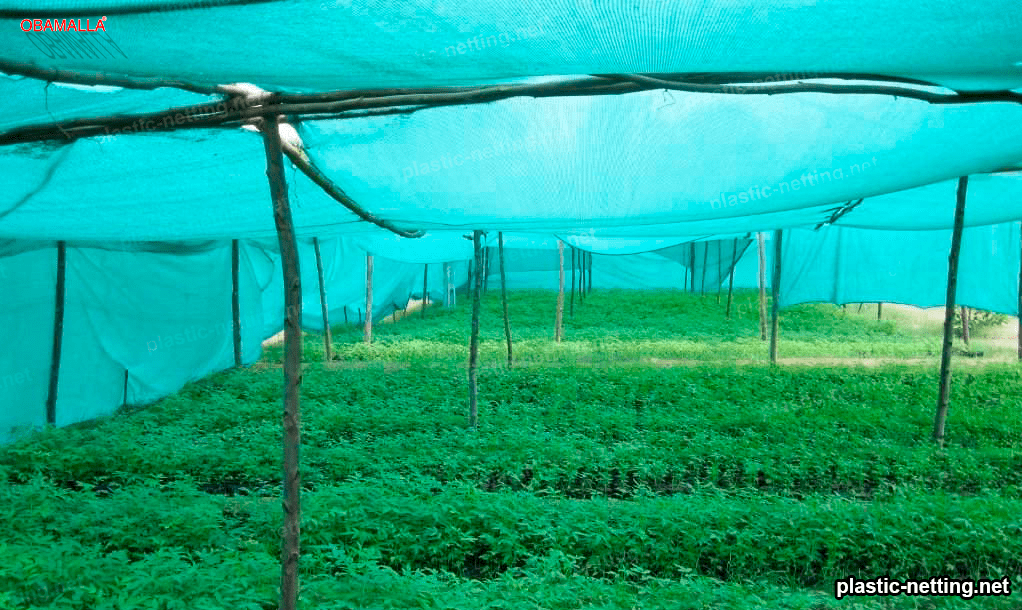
(486, 268)
(571, 310)
(473, 346)
(446, 273)
(761, 242)
(503, 297)
(559, 318)
(692, 257)
(1020, 298)
(58, 334)
(589, 267)
(944, 391)
(292, 364)
(720, 269)
(581, 277)
(965, 324)
(425, 288)
(327, 342)
(236, 299)
(880, 309)
(776, 301)
(702, 277)
(367, 330)
(731, 276)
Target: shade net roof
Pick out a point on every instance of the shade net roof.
(643, 165)
(315, 45)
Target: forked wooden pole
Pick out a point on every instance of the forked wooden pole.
(944, 391)
(775, 305)
(473, 346)
(503, 298)
(559, 318)
(761, 243)
(58, 334)
(327, 342)
(236, 299)
(290, 550)
(367, 329)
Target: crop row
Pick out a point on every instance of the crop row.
(457, 529)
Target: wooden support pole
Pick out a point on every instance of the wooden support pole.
(879, 310)
(581, 277)
(559, 318)
(775, 306)
(236, 299)
(944, 391)
(425, 289)
(761, 242)
(367, 329)
(327, 342)
(290, 550)
(486, 269)
(720, 269)
(731, 277)
(590, 268)
(503, 297)
(702, 276)
(571, 310)
(965, 324)
(473, 346)
(58, 334)
(692, 275)
(446, 273)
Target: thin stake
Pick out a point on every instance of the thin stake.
(367, 330)
(425, 289)
(571, 311)
(503, 297)
(731, 278)
(473, 346)
(590, 267)
(327, 342)
(692, 256)
(702, 278)
(486, 269)
(290, 550)
(126, 374)
(775, 313)
(581, 277)
(720, 270)
(762, 286)
(236, 299)
(58, 334)
(1020, 300)
(944, 391)
(559, 318)
(879, 310)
